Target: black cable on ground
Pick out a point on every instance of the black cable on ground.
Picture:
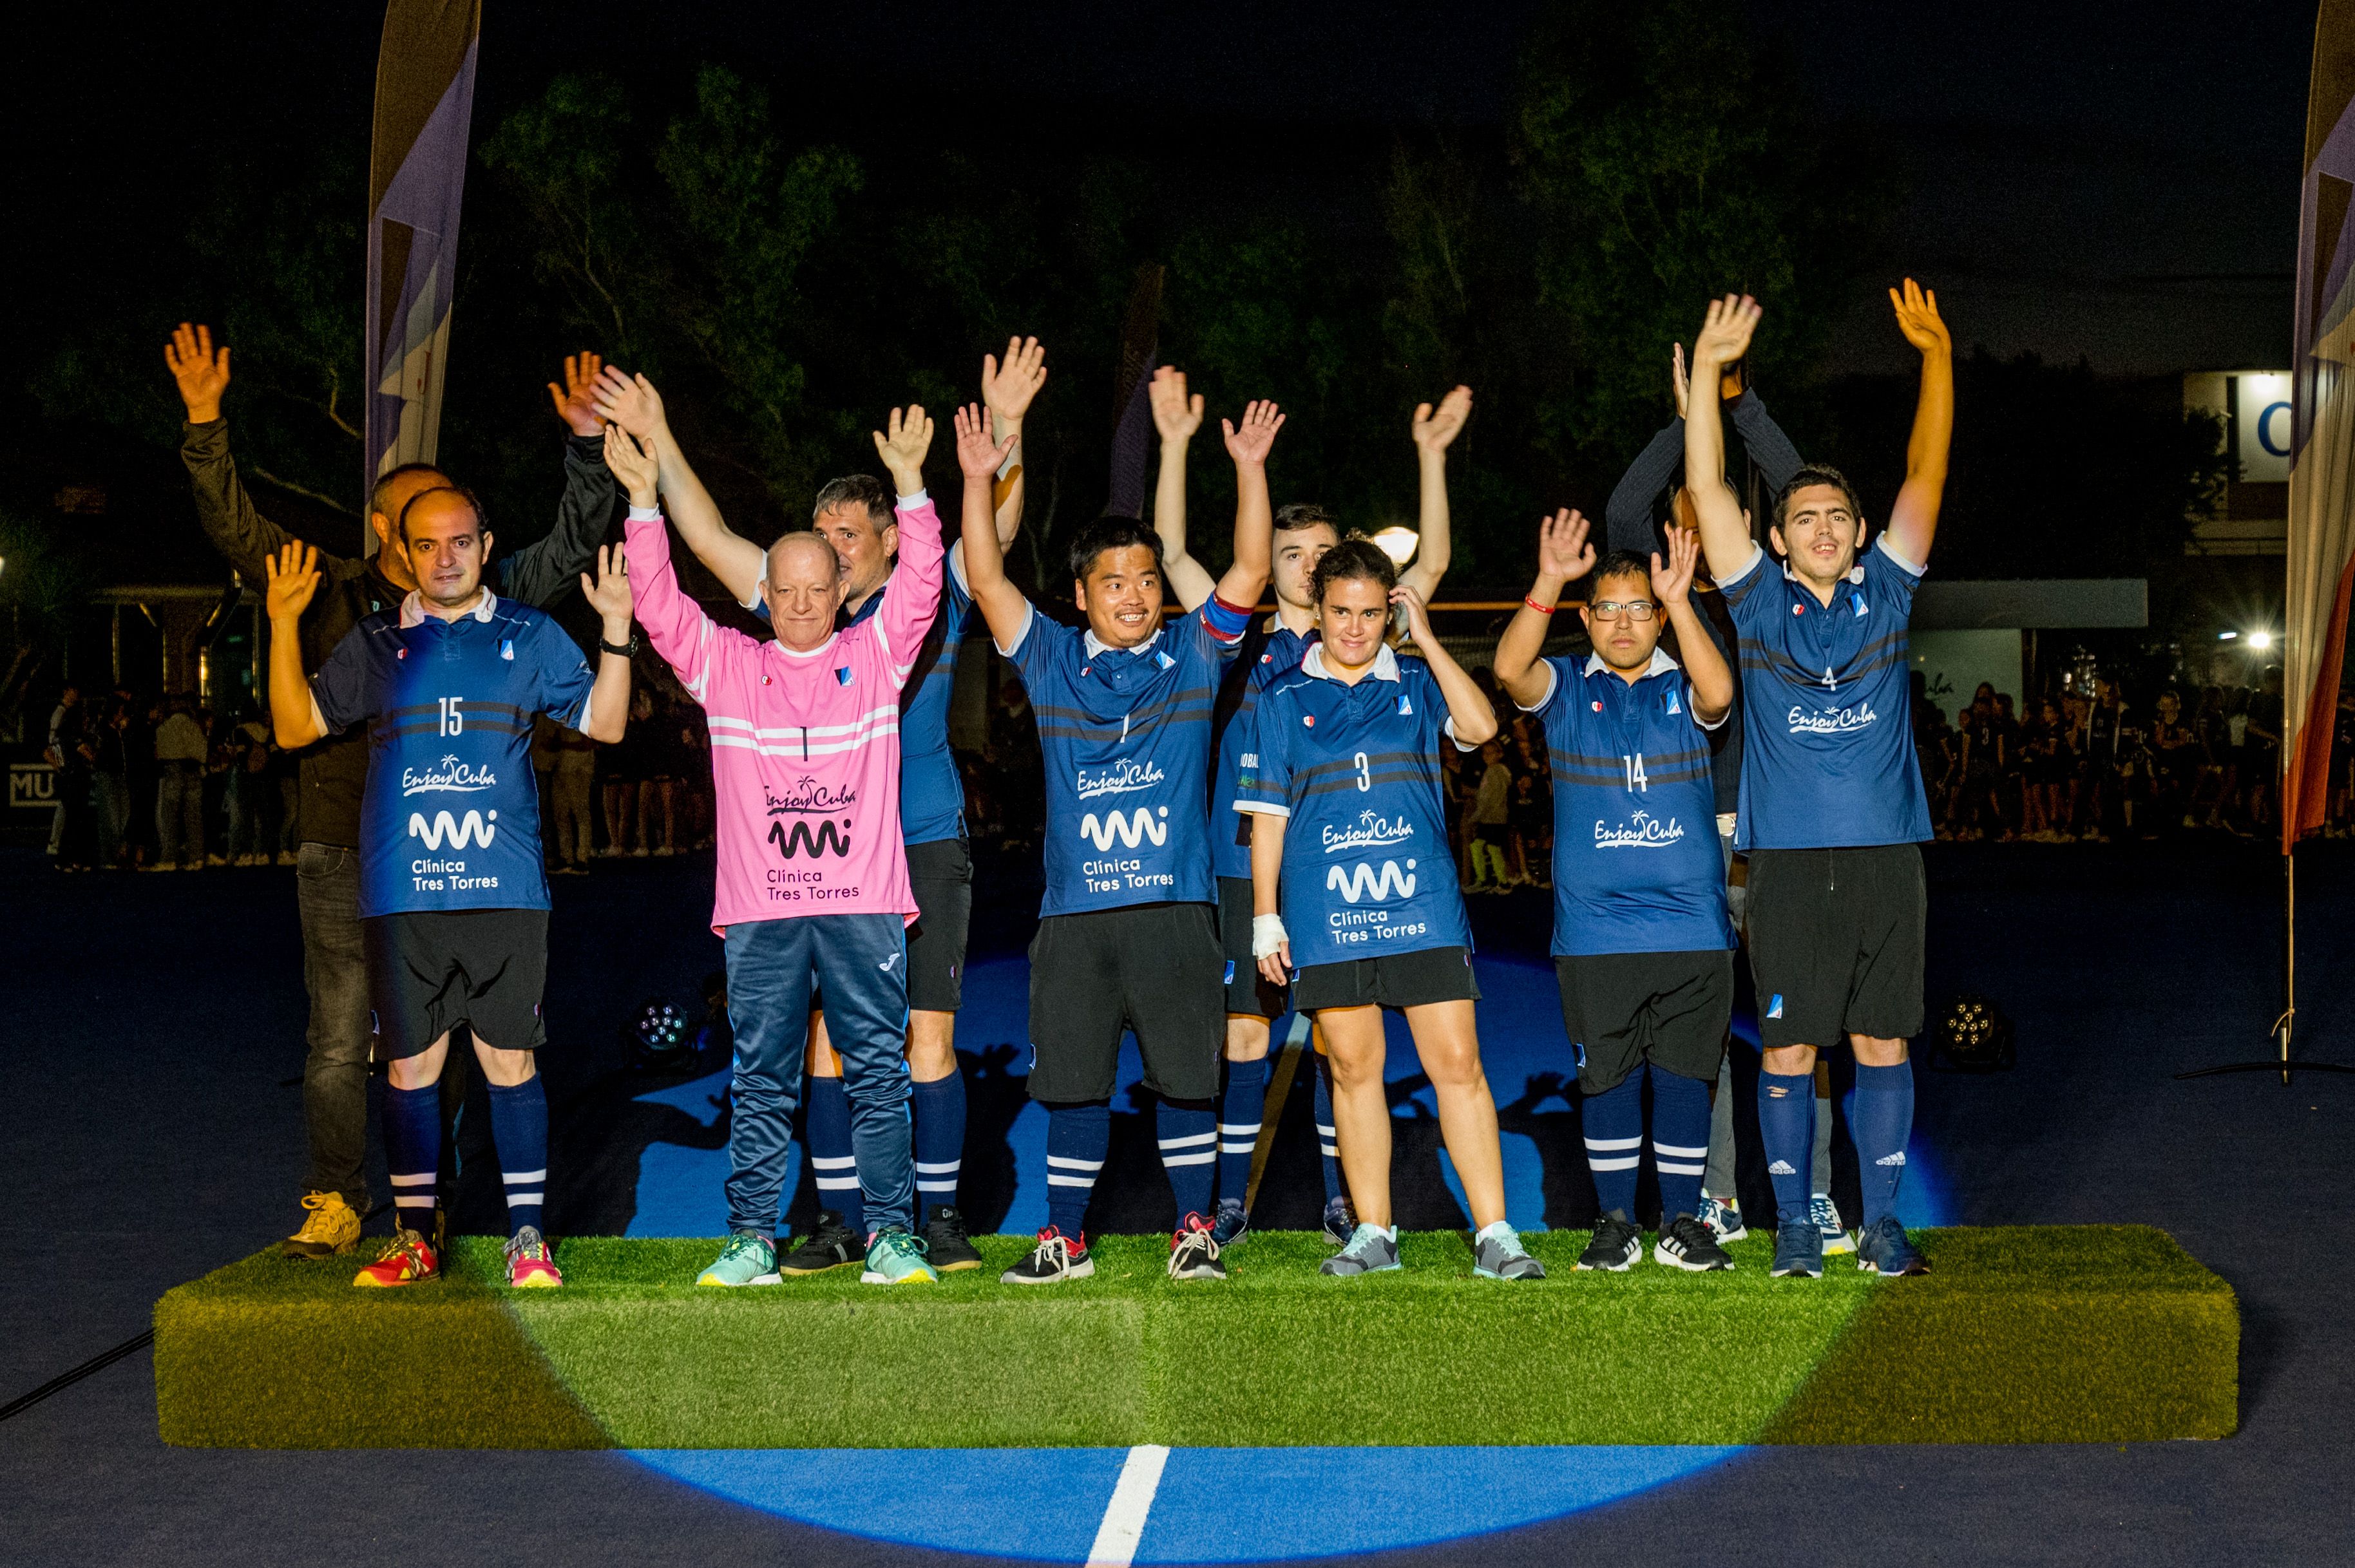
(98, 1362)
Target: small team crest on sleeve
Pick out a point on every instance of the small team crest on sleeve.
(1406, 703)
(1859, 600)
(1163, 658)
(506, 650)
(1775, 1008)
(1674, 706)
(1231, 973)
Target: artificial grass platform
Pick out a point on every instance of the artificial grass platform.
(2028, 1334)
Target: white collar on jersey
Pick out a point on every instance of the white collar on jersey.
(412, 608)
(1312, 663)
(1660, 662)
(1097, 647)
(1856, 573)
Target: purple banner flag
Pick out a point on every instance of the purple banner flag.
(417, 177)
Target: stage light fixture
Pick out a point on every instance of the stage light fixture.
(2260, 641)
(656, 1040)
(1973, 1035)
(1398, 542)
(2226, 636)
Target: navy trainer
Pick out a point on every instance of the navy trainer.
(1882, 1249)
(1798, 1248)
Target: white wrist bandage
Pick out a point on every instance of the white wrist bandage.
(1267, 935)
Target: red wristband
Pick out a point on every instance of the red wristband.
(1540, 608)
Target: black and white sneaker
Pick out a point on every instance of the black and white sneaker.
(1616, 1245)
(1231, 1224)
(947, 1246)
(1685, 1243)
(830, 1243)
(1194, 1251)
(1056, 1259)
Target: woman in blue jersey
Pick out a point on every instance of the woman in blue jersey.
(1341, 772)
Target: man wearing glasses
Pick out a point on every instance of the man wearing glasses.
(1643, 950)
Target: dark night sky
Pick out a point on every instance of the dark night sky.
(2115, 181)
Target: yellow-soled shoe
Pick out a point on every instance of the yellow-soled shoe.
(329, 1228)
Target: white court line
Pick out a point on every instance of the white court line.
(1131, 1499)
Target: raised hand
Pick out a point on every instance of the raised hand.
(1677, 384)
(1418, 619)
(201, 375)
(1008, 385)
(1725, 335)
(1434, 431)
(630, 401)
(609, 594)
(1917, 318)
(1175, 415)
(576, 400)
(978, 457)
(294, 578)
(903, 448)
(1563, 548)
(1672, 582)
(636, 466)
(1250, 444)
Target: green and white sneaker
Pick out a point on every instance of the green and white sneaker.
(895, 1257)
(747, 1259)
(1497, 1255)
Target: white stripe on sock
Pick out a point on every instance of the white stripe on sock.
(1629, 1163)
(1329, 1151)
(514, 1198)
(424, 1202)
(936, 1186)
(512, 1177)
(1681, 1151)
(1616, 1143)
(424, 1181)
(1059, 1162)
(1666, 1169)
(838, 1184)
(1325, 1130)
(946, 1168)
(844, 1163)
(1190, 1140)
(1202, 1157)
(1237, 1129)
(1055, 1180)
(1245, 1147)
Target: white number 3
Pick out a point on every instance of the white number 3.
(1364, 775)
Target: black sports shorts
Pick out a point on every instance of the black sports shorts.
(1621, 1009)
(1249, 992)
(1150, 968)
(431, 970)
(1394, 979)
(1836, 943)
(941, 873)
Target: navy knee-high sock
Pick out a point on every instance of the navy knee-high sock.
(831, 1160)
(1613, 1122)
(1680, 1141)
(1240, 1111)
(1787, 1127)
(938, 1109)
(1188, 1135)
(520, 1133)
(1326, 1147)
(1882, 1118)
(412, 1153)
(1078, 1138)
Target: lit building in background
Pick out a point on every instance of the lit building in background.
(2253, 517)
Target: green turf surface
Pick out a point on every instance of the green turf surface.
(2032, 1334)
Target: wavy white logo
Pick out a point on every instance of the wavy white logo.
(1361, 883)
(475, 829)
(447, 776)
(1642, 830)
(1132, 830)
(1120, 779)
(1838, 721)
(1371, 830)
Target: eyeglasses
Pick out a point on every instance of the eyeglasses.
(1611, 609)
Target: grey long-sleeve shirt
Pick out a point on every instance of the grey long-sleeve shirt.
(333, 772)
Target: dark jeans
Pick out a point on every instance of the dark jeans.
(110, 798)
(180, 817)
(334, 972)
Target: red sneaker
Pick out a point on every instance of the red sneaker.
(530, 1264)
(1194, 1251)
(407, 1259)
(1057, 1257)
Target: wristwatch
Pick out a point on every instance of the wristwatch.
(626, 649)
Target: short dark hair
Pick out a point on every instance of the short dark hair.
(383, 486)
(855, 490)
(1299, 514)
(481, 519)
(1811, 474)
(1352, 558)
(1621, 564)
(1110, 532)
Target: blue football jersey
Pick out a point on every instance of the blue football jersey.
(1355, 769)
(1828, 759)
(450, 816)
(1636, 867)
(1230, 830)
(1125, 736)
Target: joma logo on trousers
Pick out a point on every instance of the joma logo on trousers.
(475, 829)
(1131, 830)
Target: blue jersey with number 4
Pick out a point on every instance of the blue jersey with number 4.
(1231, 831)
(450, 816)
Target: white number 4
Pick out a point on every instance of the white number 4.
(1636, 780)
(453, 721)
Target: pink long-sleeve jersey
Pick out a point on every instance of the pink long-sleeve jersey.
(804, 746)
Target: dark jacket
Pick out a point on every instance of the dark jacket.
(1627, 518)
(333, 771)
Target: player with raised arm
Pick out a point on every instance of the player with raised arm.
(1340, 775)
(452, 910)
(1272, 649)
(332, 772)
(812, 884)
(1126, 937)
(1833, 810)
(854, 514)
(1643, 948)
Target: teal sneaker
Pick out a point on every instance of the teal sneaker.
(747, 1259)
(895, 1257)
(1497, 1255)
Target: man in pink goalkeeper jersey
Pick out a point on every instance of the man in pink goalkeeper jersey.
(812, 889)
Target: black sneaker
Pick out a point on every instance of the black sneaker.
(1687, 1244)
(1056, 1259)
(1194, 1252)
(1615, 1246)
(945, 1243)
(1341, 1222)
(830, 1243)
(1231, 1223)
